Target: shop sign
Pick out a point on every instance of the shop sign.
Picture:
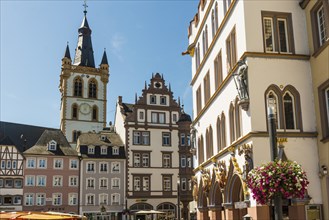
(240, 205)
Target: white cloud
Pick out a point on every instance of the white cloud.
(117, 43)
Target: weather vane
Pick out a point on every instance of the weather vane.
(85, 5)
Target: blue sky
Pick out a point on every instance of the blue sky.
(140, 37)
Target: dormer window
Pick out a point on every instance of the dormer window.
(103, 137)
(115, 151)
(91, 149)
(153, 99)
(103, 150)
(52, 145)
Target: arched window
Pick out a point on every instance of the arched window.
(219, 140)
(74, 111)
(237, 120)
(78, 87)
(232, 123)
(92, 89)
(287, 107)
(94, 113)
(289, 111)
(200, 150)
(213, 23)
(206, 36)
(75, 135)
(209, 143)
(204, 43)
(223, 131)
(216, 16)
(271, 94)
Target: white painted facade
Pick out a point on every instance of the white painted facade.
(284, 70)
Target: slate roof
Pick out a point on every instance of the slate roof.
(112, 140)
(21, 135)
(63, 147)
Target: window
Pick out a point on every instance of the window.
(90, 183)
(14, 164)
(103, 167)
(216, 17)
(57, 181)
(92, 88)
(73, 198)
(232, 123)
(30, 163)
(287, 107)
(144, 156)
(137, 184)
(166, 158)
(17, 200)
(146, 183)
(183, 161)
(115, 199)
(153, 99)
(58, 163)
(103, 150)
(90, 199)
(76, 135)
(78, 87)
(141, 137)
(166, 183)
(218, 70)
(198, 100)
(115, 183)
(174, 117)
(73, 181)
(141, 115)
(158, 117)
(57, 199)
(103, 183)
(90, 167)
(213, 23)
(41, 199)
(3, 164)
(94, 113)
(206, 88)
(166, 139)
(205, 41)
(29, 180)
(163, 100)
(188, 140)
(8, 164)
(103, 198)
(115, 151)
(277, 32)
(182, 139)
(74, 111)
(91, 149)
(189, 162)
(42, 163)
(52, 145)
(73, 164)
(18, 183)
(41, 180)
(115, 167)
(9, 183)
(1, 183)
(29, 199)
(183, 184)
(209, 142)
(200, 150)
(323, 92)
(197, 56)
(231, 50)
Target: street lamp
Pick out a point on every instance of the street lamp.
(271, 108)
(178, 199)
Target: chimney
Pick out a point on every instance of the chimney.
(120, 99)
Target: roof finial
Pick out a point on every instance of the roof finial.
(85, 6)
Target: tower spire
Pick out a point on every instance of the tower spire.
(84, 54)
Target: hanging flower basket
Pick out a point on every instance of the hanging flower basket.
(277, 178)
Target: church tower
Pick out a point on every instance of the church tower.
(83, 88)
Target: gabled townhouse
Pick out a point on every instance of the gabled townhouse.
(317, 21)
(102, 175)
(11, 176)
(14, 139)
(51, 175)
(150, 133)
(248, 56)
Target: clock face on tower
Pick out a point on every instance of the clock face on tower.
(85, 108)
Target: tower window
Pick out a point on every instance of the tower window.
(95, 113)
(76, 134)
(78, 87)
(74, 111)
(92, 89)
